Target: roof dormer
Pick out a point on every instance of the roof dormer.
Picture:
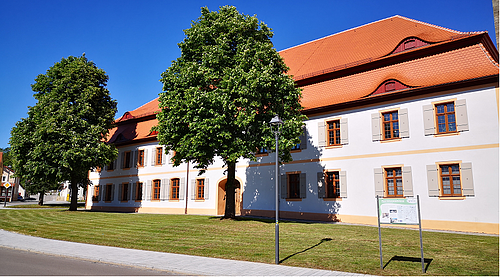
(389, 86)
(408, 44)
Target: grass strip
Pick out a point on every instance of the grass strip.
(338, 247)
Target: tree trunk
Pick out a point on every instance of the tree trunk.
(230, 211)
(74, 194)
(40, 198)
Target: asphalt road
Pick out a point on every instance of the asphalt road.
(25, 263)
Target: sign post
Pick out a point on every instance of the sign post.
(7, 186)
(399, 211)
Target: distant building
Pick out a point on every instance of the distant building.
(397, 108)
(15, 189)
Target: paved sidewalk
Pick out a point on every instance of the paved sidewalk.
(177, 263)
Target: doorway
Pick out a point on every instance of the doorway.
(221, 194)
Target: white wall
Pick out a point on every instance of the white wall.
(361, 155)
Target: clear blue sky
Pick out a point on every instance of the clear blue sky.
(135, 41)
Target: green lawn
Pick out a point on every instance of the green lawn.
(326, 246)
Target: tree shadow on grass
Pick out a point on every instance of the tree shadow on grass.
(305, 250)
(409, 259)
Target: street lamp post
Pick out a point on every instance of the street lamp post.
(276, 123)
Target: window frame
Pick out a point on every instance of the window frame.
(139, 188)
(156, 189)
(108, 193)
(450, 175)
(127, 160)
(124, 192)
(159, 156)
(394, 179)
(390, 122)
(445, 114)
(175, 186)
(141, 158)
(200, 189)
(332, 187)
(335, 130)
(111, 166)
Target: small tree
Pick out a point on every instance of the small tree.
(64, 134)
(220, 94)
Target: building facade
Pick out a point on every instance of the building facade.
(397, 108)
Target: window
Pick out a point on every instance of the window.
(200, 189)
(446, 117)
(140, 158)
(409, 44)
(390, 86)
(124, 192)
(111, 165)
(138, 191)
(450, 180)
(332, 133)
(156, 190)
(394, 182)
(332, 184)
(127, 158)
(159, 156)
(95, 195)
(262, 151)
(108, 196)
(390, 124)
(174, 189)
(293, 185)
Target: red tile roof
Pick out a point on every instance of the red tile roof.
(458, 65)
(360, 45)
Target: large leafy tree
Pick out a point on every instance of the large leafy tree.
(7, 159)
(220, 94)
(64, 134)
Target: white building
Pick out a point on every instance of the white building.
(397, 108)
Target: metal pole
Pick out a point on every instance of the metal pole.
(420, 229)
(379, 234)
(276, 229)
(187, 188)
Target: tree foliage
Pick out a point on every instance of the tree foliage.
(64, 133)
(220, 94)
(7, 159)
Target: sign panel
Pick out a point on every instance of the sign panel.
(398, 211)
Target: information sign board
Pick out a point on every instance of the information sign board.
(398, 211)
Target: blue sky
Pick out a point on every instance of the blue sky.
(135, 41)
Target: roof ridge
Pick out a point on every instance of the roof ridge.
(435, 26)
(144, 104)
(380, 20)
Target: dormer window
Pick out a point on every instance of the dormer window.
(389, 86)
(408, 44)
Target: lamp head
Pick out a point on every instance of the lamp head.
(276, 121)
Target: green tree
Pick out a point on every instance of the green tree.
(220, 94)
(64, 134)
(7, 159)
(29, 162)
